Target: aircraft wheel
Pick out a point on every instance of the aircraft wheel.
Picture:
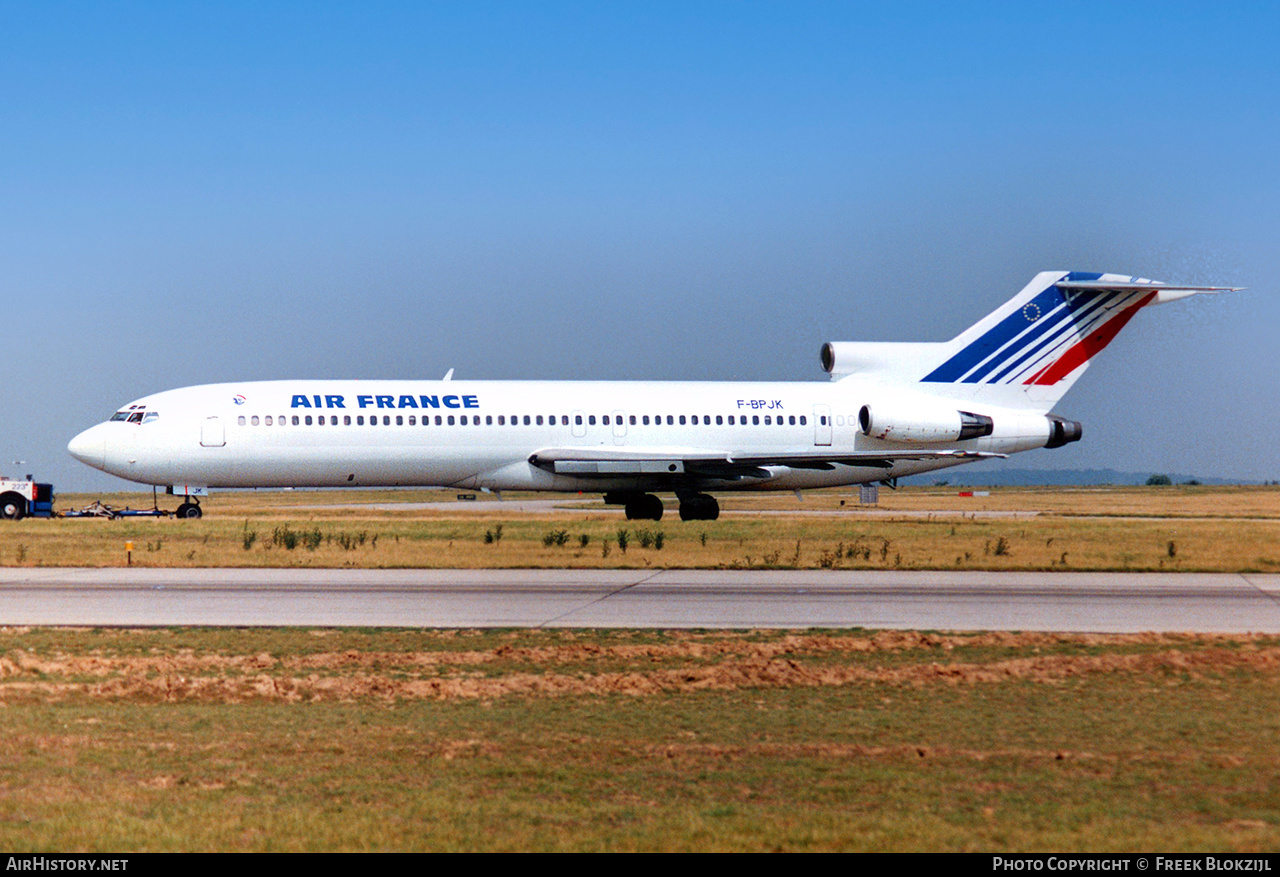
(12, 507)
(699, 508)
(645, 507)
(189, 510)
(652, 507)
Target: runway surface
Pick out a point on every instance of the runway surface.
(1099, 602)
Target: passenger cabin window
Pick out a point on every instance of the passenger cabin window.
(577, 419)
(605, 420)
(803, 420)
(268, 420)
(295, 420)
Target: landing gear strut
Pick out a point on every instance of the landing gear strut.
(699, 507)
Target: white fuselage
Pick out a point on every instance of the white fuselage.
(485, 434)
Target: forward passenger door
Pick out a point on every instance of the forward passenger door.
(212, 433)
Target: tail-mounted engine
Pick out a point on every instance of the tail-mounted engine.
(1062, 431)
(909, 423)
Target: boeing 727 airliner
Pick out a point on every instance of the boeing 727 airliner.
(890, 409)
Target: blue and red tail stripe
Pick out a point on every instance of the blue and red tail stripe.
(1084, 349)
(1049, 336)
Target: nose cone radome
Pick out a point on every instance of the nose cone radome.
(90, 447)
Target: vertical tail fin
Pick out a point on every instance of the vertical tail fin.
(1032, 349)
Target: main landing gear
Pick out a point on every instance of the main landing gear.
(647, 507)
(639, 506)
(699, 507)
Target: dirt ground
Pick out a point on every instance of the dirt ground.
(721, 662)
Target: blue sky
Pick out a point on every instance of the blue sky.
(238, 191)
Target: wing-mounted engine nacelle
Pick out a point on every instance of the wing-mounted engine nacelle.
(1062, 431)
(914, 423)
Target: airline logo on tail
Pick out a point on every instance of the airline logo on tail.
(1047, 338)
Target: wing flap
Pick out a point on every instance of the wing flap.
(682, 463)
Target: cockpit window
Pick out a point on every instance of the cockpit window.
(150, 416)
(135, 414)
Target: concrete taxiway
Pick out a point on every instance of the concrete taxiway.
(1097, 602)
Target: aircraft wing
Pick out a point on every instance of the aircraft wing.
(699, 462)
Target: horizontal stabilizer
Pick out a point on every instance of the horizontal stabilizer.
(1108, 286)
(1163, 292)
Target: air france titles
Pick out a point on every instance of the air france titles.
(385, 401)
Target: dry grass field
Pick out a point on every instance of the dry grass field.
(316, 740)
(1223, 529)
